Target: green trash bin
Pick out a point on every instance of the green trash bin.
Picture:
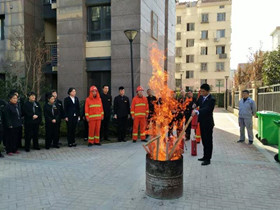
(268, 131)
(277, 156)
(258, 135)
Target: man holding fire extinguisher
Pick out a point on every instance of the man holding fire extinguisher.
(206, 104)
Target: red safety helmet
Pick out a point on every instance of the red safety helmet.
(139, 88)
(93, 88)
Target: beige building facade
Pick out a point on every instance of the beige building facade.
(275, 38)
(203, 44)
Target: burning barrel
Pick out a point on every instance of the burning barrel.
(164, 179)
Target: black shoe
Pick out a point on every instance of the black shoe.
(59, 143)
(144, 140)
(106, 139)
(74, 145)
(250, 143)
(133, 141)
(90, 144)
(98, 144)
(119, 140)
(123, 140)
(1, 155)
(206, 162)
(56, 146)
(240, 141)
(201, 159)
(47, 148)
(37, 148)
(69, 145)
(85, 139)
(27, 150)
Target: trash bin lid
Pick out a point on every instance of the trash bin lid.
(268, 113)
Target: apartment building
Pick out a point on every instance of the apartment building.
(86, 41)
(275, 38)
(203, 42)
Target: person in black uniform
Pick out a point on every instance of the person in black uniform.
(206, 104)
(85, 122)
(2, 107)
(188, 112)
(107, 104)
(72, 115)
(151, 101)
(32, 119)
(52, 122)
(20, 103)
(13, 125)
(59, 105)
(121, 113)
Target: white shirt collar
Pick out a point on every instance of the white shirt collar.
(73, 99)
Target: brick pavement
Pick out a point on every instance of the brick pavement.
(113, 177)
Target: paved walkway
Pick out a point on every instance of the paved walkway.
(113, 177)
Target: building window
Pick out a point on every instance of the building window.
(2, 18)
(189, 74)
(178, 51)
(204, 34)
(99, 23)
(220, 66)
(203, 81)
(189, 58)
(190, 43)
(154, 25)
(178, 37)
(220, 50)
(221, 33)
(188, 88)
(178, 19)
(190, 27)
(178, 82)
(178, 67)
(204, 18)
(221, 16)
(219, 83)
(203, 67)
(222, 6)
(204, 51)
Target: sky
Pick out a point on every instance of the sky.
(252, 23)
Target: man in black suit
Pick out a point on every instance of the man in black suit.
(121, 113)
(59, 105)
(107, 104)
(206, 104)
(72, 115)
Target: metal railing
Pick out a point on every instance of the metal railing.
(51, 57)
(269, 98)
(49, 1)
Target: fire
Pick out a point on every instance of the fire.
(163, 148)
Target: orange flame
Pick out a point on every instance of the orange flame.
(165, 109)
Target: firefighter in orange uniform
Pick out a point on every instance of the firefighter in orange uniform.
(94, 114)
(139, 113)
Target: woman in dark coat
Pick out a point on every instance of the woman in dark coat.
(13, 124)
(52, 122)
(32, 119)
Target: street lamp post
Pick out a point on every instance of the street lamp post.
(226, 77)
(181, 74)
(131, 34)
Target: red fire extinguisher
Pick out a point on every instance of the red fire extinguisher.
(193, 136)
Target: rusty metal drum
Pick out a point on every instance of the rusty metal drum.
(164, 179)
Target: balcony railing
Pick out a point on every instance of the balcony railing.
(49, 1)
(51, 57)
(223, 56)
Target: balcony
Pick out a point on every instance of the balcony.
(51, 57)
(49, 12)
(223, 56)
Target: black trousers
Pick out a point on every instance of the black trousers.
(207, 140)
(105, 127)
(71, 129)
(12, 137)
(85, 129)
(188, 130)
(122, 127)
(31, 132)
(52, 134)
(19, 142)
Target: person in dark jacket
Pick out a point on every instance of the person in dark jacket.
(107, 104)
(52, 122)
(121, 113)
(188, 112)
(151, 100)
(59, 105)
(72, 115)
(32, 119)
(85, 122)
(206, 104)
(2, 107)
(20, 103)
(13, 125)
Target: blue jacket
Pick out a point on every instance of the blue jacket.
(247, 109)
